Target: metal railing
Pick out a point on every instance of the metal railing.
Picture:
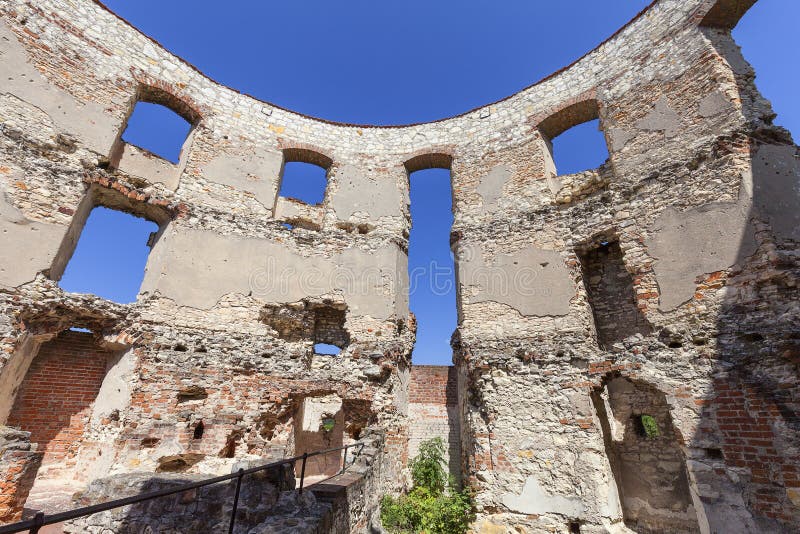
(40, 519)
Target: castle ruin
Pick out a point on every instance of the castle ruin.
(628, 345)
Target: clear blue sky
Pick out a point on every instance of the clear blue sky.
(401, 62)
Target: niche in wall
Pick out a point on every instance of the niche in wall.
(646, 459)
(609, 288)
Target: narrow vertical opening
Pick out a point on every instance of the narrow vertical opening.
(432, 291)
(199, 428)
(319, 425)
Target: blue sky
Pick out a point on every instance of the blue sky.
(373, 62)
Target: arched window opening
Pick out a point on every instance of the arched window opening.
(305, 176)
(581, 148)
(645, 456)
(110, 255)
(773, 80)
(574, 138)
(305, 182)
(726, 13)
(431, 269)
(157, 129)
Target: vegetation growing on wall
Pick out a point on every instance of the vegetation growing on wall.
(434, 505)
(649, 426)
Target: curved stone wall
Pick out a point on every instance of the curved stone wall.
(698, 197)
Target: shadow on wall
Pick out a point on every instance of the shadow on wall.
(645, 456)
(749, 432)
(739, 469)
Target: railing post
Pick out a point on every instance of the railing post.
(344, 460)
(303, 472)
(240, 474)
(38, 521)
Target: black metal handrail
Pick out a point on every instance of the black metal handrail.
(41, 519)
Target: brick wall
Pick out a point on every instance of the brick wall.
(433, 411)
(750, 423)
(55, 400)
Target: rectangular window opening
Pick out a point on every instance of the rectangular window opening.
(110, 255)
(158, 130)
(580, 148)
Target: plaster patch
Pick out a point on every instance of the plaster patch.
(491, 186)
(358, 193)
(619, 138)
(196, 268)
(534, 500)
(661, 118)
(686, 244)
(532, 281)
(776, 189)
(115, 391)
(86, 121)
(714, 104)
(28, 247)
(255, 173)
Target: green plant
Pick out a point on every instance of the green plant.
(434, 505)
(427, 467)
(328, 424)
(649, 426)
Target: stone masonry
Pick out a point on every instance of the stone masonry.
(628, 345)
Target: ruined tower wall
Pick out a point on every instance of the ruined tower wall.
(699, 193)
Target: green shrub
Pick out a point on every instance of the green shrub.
(650, 427)
(328, 424)
(434, 505)
(427, 467)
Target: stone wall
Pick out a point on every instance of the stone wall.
(433, 411)
(216, 357)
(263, 506)
(19, 462)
